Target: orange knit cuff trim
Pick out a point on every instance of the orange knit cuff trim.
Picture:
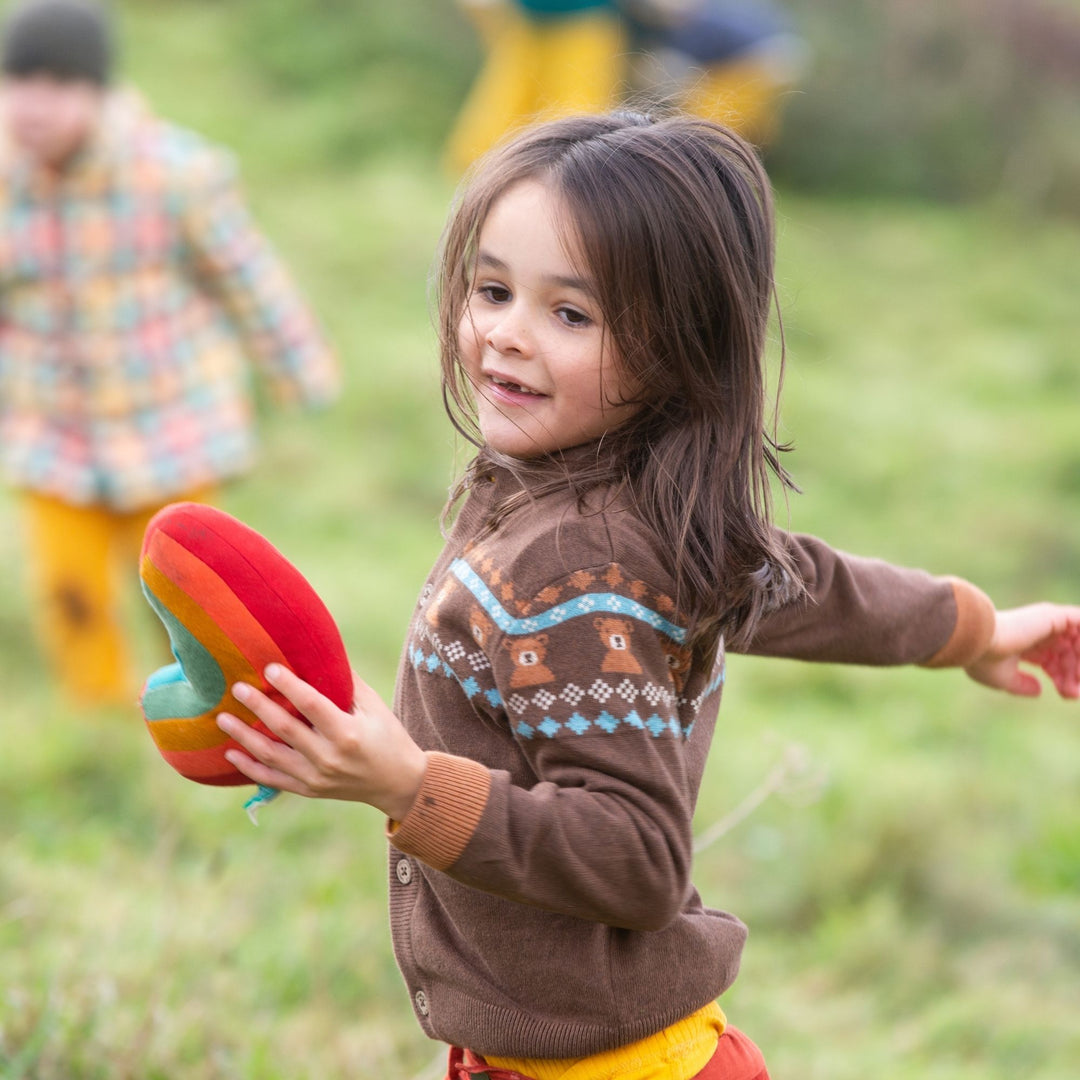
(974, 629)
(446, 811)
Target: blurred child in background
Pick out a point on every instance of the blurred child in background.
(133, 291)
(726, 60)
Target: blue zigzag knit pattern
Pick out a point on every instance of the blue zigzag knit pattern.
(587, 604)
(619, 702)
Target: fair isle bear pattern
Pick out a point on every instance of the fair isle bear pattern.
(606, 611)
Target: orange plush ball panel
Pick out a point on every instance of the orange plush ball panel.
(231, 603)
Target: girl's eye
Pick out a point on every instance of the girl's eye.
(573, 317)
(496, 294)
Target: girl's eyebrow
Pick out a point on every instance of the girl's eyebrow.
(486, 259)
(492, 262)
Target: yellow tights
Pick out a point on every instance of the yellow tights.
(80, 561)
(744, 95)
(536, 69)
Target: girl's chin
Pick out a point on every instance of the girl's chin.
(519, 447)
(516, 442)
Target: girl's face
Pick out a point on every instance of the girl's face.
(531, 336)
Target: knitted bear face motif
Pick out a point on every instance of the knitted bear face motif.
(231, 603)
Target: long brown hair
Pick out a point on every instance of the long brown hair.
(674, 218)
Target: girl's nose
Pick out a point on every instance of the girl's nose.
(509, 333)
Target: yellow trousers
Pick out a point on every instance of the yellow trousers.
(536, 69)
(81, 560)
(744, 95)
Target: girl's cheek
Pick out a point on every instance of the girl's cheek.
(469, 337)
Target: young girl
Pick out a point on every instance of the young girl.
(605, 292)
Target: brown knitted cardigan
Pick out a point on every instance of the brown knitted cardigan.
(540, 894)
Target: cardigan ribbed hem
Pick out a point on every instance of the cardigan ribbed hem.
(974, 629)
(681, 1049)
(537, 1037)
(446, 811)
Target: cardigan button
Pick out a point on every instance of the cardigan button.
(403, 871)
(421, 1003)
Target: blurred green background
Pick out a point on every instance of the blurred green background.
(913, 891)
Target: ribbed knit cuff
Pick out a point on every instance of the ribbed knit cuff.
(974, 629)
(446, 811)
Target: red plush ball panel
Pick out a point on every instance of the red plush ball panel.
(231, 603)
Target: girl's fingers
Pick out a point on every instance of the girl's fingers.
(319, 710)
(277, 718)
(265, 760)
(1062, 667)
(1067, 688)
(1059, 658)
(278, 755)
(263, 774)
(1022, 684)
(254, 742)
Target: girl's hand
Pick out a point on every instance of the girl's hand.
(362, 756)
(1047, 635)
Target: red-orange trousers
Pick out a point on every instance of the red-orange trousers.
(736, 1058)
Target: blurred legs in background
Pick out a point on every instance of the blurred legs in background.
(80, 560)
(535, 68)
(744, 96)
(725, 60)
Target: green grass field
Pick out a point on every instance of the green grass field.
(913, 891)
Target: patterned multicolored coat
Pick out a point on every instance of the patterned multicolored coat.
(134, 290)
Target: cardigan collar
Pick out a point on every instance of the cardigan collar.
(507, 475)
(496, 484)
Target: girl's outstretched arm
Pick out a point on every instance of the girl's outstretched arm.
(1046, 635)
(362, 756)
(865, 611)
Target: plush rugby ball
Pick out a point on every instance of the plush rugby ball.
(231, 603)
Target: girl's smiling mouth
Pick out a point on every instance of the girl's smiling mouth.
(507, 388)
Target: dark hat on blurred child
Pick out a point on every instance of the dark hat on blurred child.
(69, 39)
